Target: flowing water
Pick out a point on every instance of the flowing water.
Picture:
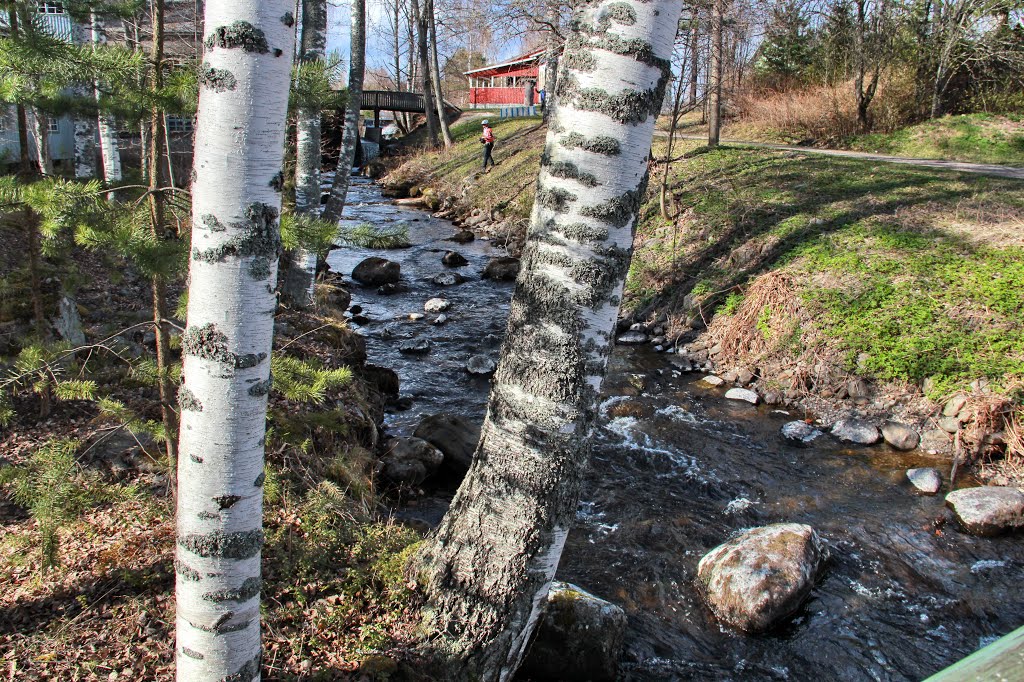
(677, 470)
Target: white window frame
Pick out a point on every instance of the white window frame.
(53, 126)
(48, 7)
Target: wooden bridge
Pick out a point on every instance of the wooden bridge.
(389, 100)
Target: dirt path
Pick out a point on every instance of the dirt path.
(977, 168)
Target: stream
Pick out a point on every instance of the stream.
(677, 470)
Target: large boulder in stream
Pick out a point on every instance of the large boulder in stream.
(504, 269)
(375, 271)
(409, 461)
(454, 436)
(762, 575)
(579, 638)
(988, 510)
(454, 259)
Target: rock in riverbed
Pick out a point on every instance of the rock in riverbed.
(988, 510)
(375, 271)
(744, 394)
(448, 279)
(453, 435)
(632, 339)
(437, 305)
(454, 259)
(900, 436)
(579, 638)
(481, 365)
(504, 269)
(415, 347)
(763, 575)
(462, 237)
(856, 431)
(800, 433)
(409, 461)
(926, 481)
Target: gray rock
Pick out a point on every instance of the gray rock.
(744, 376)
(858, 388)
(416, 316)
(743, 394)
(955, 404)
(462, 237)
(375, 271)
(399, 463)
(730, 376)
(927, 480)
(712, 380)
(800, 433)
(415, 347)
(761, 576)
(454, 436)
(773, 398)
(448, 279)
(480, 365)
(392, 288)
(900, 436)
(454, 259)
(716, 349)
(437, 305)
(579, 638)
(69, 323)
(988, 510)
(856, 431)
(936, 442)
(440, 319)
(504, 269)
(632, 339)
(949, 424)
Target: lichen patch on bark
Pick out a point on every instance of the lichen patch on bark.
(240, 545)
(249, 588)
(218, 80)
(599, 144)
(239, 34)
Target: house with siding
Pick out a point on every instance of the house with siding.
(510, 83)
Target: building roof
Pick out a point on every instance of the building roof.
(504, 68)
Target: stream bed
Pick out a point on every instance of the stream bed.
(677, 470)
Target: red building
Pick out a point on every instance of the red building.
(514, 82)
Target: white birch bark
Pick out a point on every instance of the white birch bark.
(110, 155)
(435, 75)
(85, 127)
(41, 136)
(350, 137)
(299, 283)
(491, 561)
(226, 345)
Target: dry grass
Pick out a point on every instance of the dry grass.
(821, 114)
(769, 315)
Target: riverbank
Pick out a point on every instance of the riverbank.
(836, 287)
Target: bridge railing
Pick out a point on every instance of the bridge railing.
(389, 100)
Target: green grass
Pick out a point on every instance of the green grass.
(906, 273)
(976, 138)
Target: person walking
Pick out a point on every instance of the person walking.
(543, 99)
(487, 140)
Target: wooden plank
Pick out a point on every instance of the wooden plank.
(1002, 660)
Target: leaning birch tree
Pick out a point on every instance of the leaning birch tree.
(226, 345)
(491, 561)
(350, 136)
(298, 285)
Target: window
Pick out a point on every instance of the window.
(52, 125)
(50, 8)
(177, 124)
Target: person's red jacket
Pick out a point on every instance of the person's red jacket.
(488, 136)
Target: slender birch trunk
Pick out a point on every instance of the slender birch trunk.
(419, 13)
(299, 277)
(85, 142)
(491, 561)
(110, 155)
(227, 342)
(435, 74)
(158, 228)
(715, 75)
(41, 132)
(350, 138)
(694, 58)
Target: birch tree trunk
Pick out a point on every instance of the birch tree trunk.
(694, 57)
(551, 53)
(85, 143)
(715, 75)
(491, 561)
(419, 14)
(41, 133)
(299, 278)
(110, 155)
(350, 138)
(435, 74)
(227, 342)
